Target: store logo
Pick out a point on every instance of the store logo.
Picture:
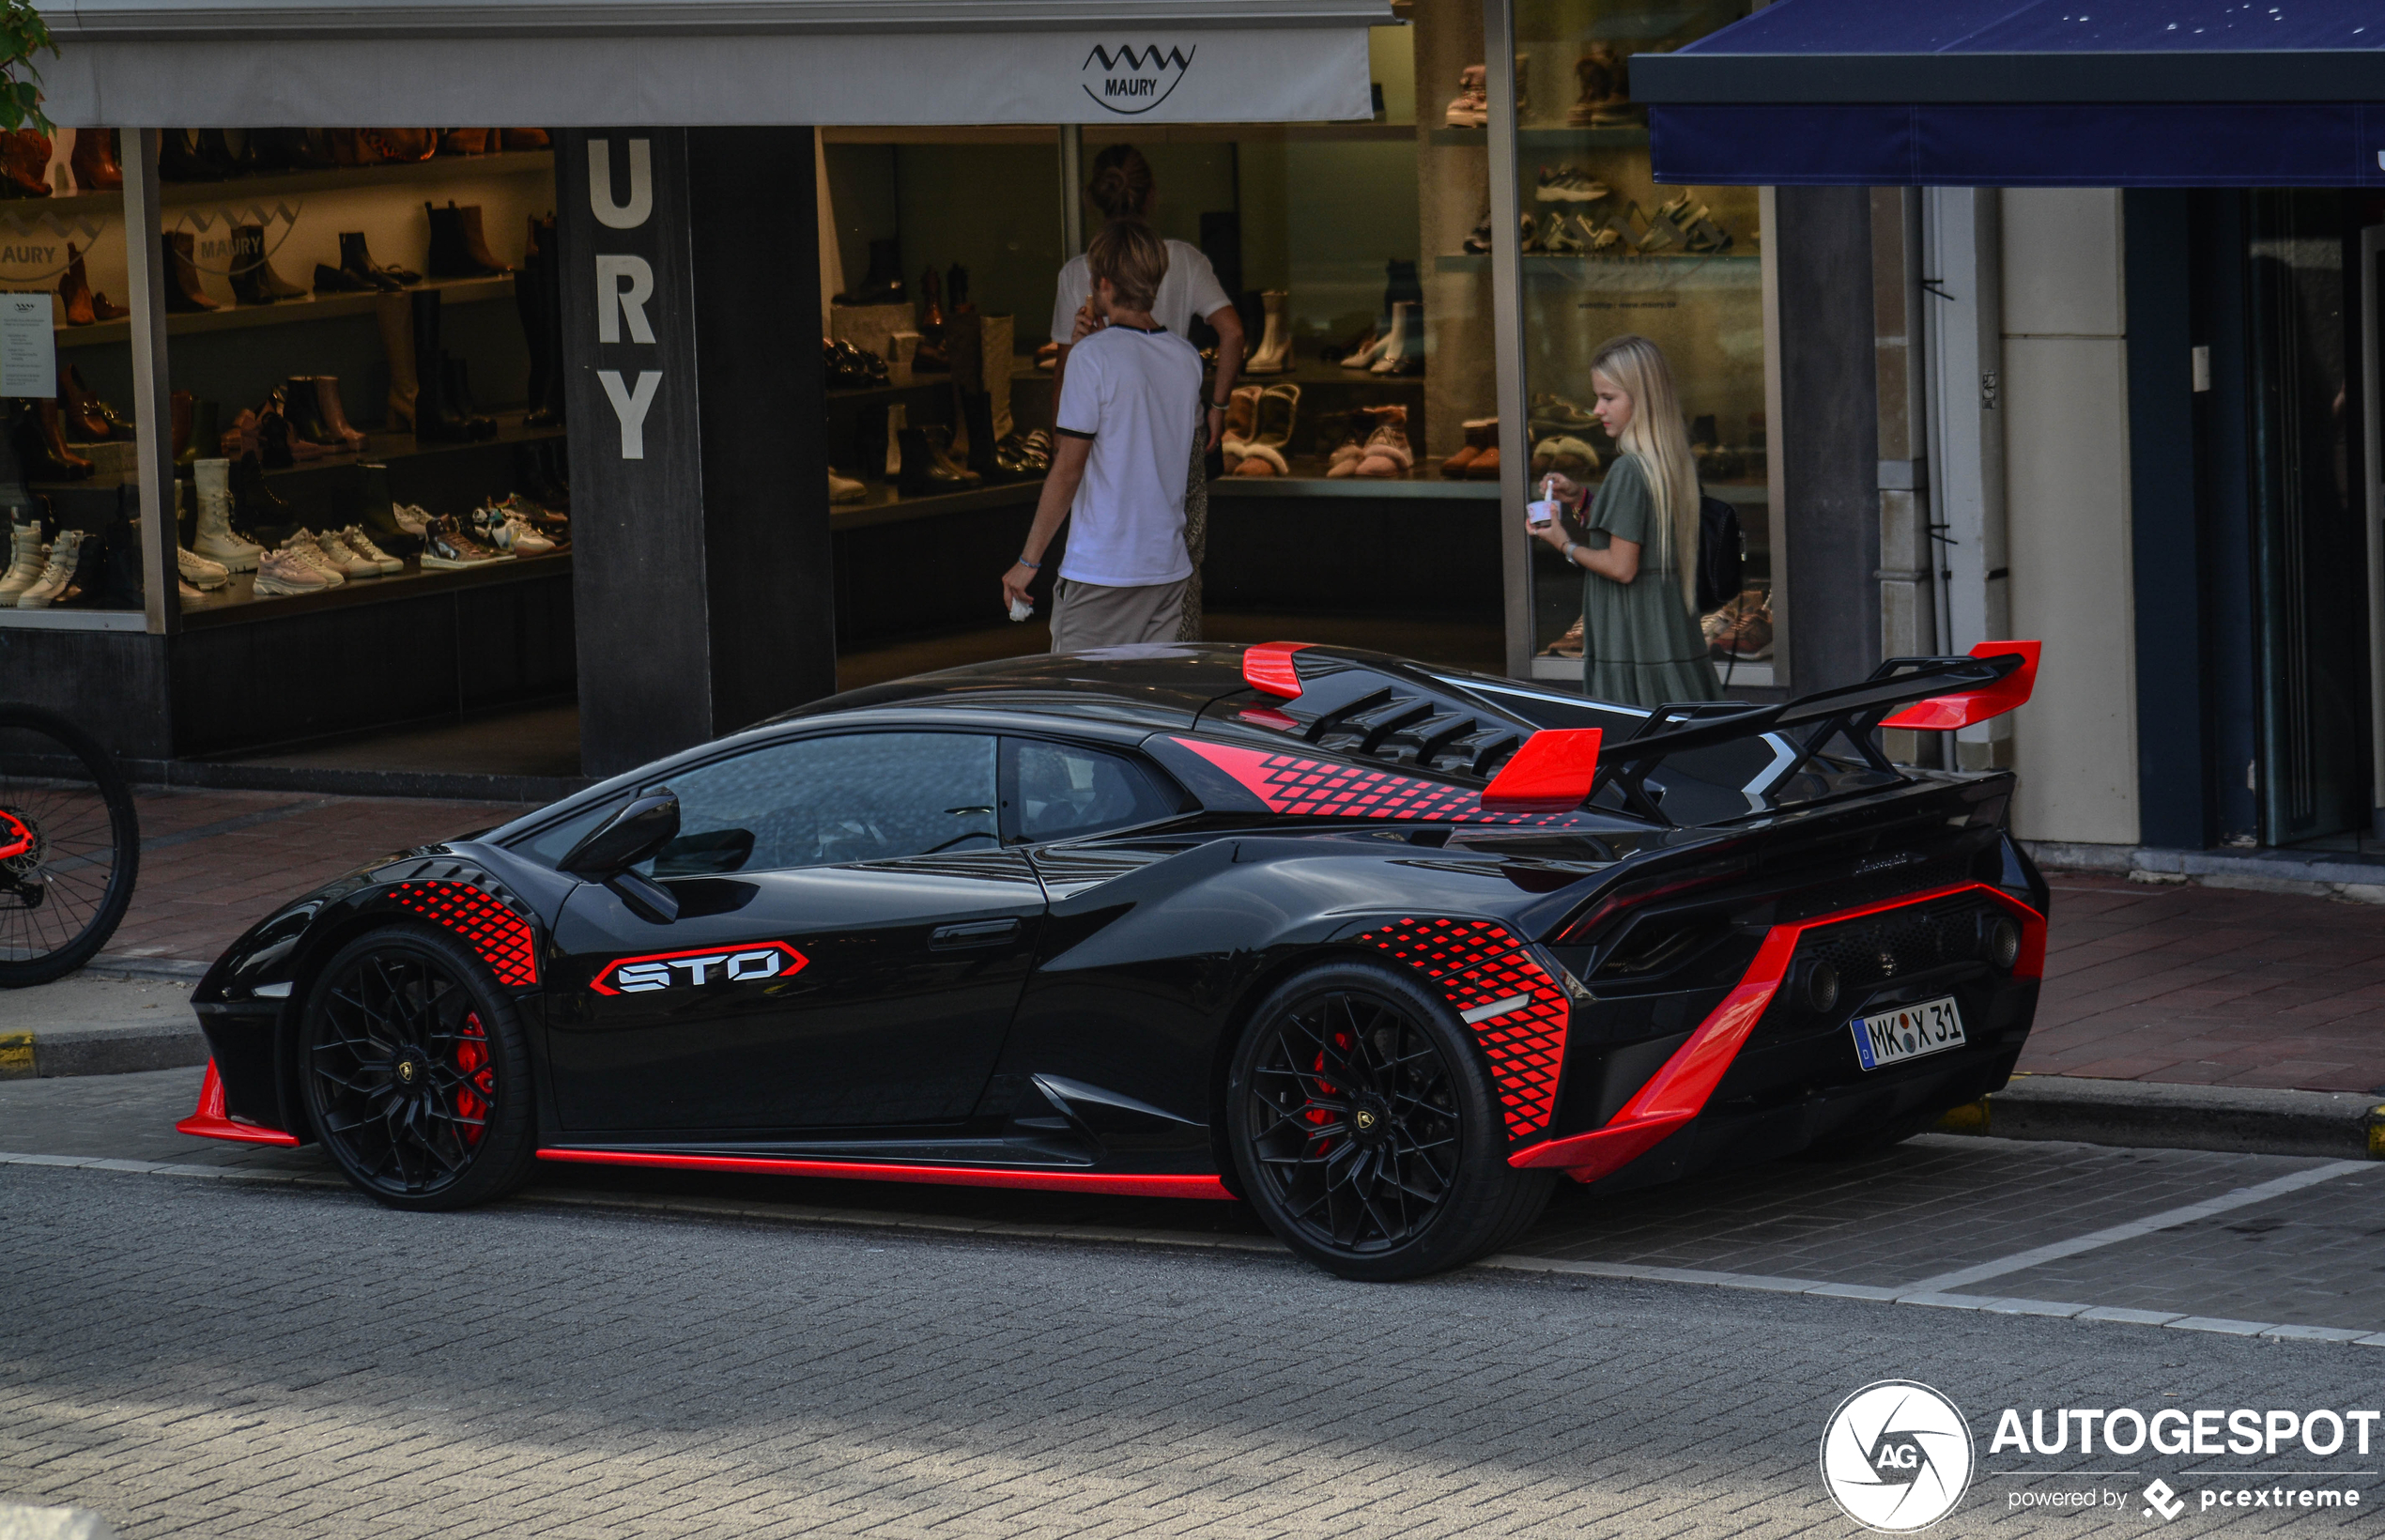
(1134, 81)
(2164, 1501)
(1896, 1457)
(665, 970)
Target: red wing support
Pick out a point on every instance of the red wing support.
(1269, 669)
(1554, 772)
(1677, 1092)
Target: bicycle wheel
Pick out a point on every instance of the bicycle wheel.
(70, 846)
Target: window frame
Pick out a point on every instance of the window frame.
(1007, 775)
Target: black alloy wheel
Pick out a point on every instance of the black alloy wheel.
(415, 1073)
(1366, 1131)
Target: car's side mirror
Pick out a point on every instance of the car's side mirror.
(638, 831)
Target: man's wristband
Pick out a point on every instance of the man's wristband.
(1217, 405)
(1031, 567)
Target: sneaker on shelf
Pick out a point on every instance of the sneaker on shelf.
(355, 539)
(490, 526)
(300, 547)
(182, 587)
(1479, 241)
(285, 573)
(29, 557)
(522, 537)
(351, 561)
(1470, 108)
(197, 571)
(410, 518)
(1566, 184)
(216, 539)
(845, 488)
(55, 584)
(447, 548)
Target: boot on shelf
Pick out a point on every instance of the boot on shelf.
(254, 279)
(377, 511)
(436, 419)
(925, 471)
(1241, 425)
(118, 574)
(459, 248)
(327, 402)
(215, 539)
(898, 418)
(178, 407)
(459, 380)
(533, 480)
(257, 511)
(1274, 353)
(56, 581)
(25, 164)
(84, 304)
(538, 296)
(1268, 450)
(28, 554)
(301, 405)
(88, 418)
(1404, 352)
(356, 261)
(397, 314)
(270, 433)
(41, 445)
(976, 414)
(884, 286)
(930, 307)
(94, 162)
(183, 295)
(180, 161)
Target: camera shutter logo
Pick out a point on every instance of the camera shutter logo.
(1896, 1457)
(1131, 81)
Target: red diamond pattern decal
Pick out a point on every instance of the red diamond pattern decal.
(501, 937)
(1478, 962)
(1299, 787)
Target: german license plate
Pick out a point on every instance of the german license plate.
(1891, 1036)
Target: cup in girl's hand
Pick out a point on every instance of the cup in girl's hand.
(1537, 515)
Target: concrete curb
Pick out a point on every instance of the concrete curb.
(102, 1051)
(2318, 874)
(2345, 1125)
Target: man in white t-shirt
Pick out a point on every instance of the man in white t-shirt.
(1123, 431)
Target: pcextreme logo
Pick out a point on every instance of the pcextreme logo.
(1896, 1457)
(705, 965)
(1131, 81)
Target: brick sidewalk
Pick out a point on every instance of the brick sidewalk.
(2199, 985)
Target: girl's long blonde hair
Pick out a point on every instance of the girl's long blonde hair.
(1658, 438)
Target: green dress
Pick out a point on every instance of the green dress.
(1641, 645)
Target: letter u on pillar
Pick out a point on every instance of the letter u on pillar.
(640, 206)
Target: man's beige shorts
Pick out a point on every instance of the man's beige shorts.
(1088, 615)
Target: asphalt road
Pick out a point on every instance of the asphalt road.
(231, 1346)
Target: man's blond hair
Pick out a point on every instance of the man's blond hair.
(1131, 259)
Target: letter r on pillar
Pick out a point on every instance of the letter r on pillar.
(616, 304)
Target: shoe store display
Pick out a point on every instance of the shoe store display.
(183, 293)
(1478, 240)
(257, 511)
(926, 469)
(884, 286)
(411, 518)
(301, 546)
(843, 489)
(850, 368)
(40, 443)
(351, 561)
(1388, 455)
(1347, 432)
(1606, 102)
(83, 304)
(1553, 414)
(88, 419)
(55, 585)
(28, 556)
(1569, 645)
(538, 296)
(282, 573)
(1241, 422)
(1566, 184)
(1566, 456)
(93, 161)
(25, 164)
(1404, 348)
(1471, 107)
(457, 375)
(1363, 354)
(254, 279)
(447, 548)
(1273, 355)
(436, 419)
(1741, 630)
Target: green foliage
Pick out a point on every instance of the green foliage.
(22, 34)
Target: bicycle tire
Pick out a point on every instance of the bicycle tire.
(70, 916)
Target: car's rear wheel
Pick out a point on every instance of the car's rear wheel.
(414, 1069)
(1366, 1131)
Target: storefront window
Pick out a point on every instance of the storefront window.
(1354, 496)
(364, 338)
(67, 472)
(1608, 252)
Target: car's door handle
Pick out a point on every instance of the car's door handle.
(976, 932)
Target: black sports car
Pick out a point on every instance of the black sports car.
(1377, 947)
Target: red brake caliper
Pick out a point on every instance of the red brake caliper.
(1318, 1115)
(471, 1056)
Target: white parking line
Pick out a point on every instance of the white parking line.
(1912, 1294)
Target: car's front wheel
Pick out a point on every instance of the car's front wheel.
(415, 1073)
(1366, 1131)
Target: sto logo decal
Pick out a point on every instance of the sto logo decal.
(705, 965)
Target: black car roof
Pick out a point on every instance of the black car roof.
(1162, 686)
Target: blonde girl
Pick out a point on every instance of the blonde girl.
(1641, 641)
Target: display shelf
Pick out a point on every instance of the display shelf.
(325, 307)
(1308, 480)
(236, 604)
(1638, 269)
(886, 505)
(71, 618)
(439, 168)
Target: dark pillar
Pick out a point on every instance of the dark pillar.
(703, 584)
(1829, 437)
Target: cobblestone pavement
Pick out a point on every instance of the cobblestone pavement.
(208, 1358)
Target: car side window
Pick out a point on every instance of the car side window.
(1069, 792)
(825, 800)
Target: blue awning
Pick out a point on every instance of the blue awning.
(2026, 93)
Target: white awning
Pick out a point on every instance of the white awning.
(577, 64)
